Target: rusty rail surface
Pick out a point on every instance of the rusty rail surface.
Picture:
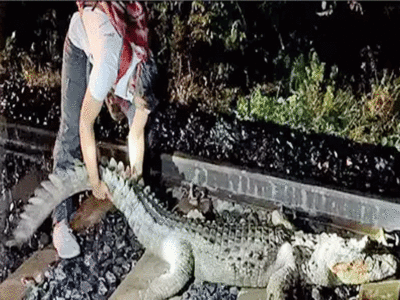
(28, 141)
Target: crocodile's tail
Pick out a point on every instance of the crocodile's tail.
(60, 186)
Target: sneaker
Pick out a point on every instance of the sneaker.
(64, 241)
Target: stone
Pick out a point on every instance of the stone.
(111, 279)
(102, 289)
(59, 274)
(86, 287)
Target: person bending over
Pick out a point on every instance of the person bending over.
(106, 58)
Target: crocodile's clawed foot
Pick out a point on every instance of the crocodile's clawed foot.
(36, 279)
(192, 199)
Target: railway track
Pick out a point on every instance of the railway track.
(360, 214)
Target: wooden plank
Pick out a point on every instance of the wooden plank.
(13, 287)
(252, 294)
(147, 268)
(380, 290)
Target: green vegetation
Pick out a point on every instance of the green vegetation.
(40, 65)
(17, 60)
(192, 40)
(316, 104)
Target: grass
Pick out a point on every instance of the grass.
(316, 104)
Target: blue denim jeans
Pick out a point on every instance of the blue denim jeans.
(74, 76)
(73, 87)
(74, 81)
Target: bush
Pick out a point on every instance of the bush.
(316, 105)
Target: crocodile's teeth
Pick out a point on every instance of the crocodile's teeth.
(121, 182)
(107, 175)
(127, 171)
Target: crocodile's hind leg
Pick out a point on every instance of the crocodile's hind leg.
(181, 264)
(283, 274)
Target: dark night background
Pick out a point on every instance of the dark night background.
(360, 44)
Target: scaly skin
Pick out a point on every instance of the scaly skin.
(244, 255)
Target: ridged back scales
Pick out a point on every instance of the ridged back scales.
(238, 254)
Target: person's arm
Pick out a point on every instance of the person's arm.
(136, 138)
(89, 111)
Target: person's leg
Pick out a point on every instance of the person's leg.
(73, 88)
(67, 146)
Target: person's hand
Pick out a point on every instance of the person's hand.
(132, 174)
(135, 174)
(101, 191)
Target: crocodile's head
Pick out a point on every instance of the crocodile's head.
(337, 261)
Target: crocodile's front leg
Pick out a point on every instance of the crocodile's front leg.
(283, 274)
(180, 258)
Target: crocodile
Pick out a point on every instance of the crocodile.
(241, 254)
